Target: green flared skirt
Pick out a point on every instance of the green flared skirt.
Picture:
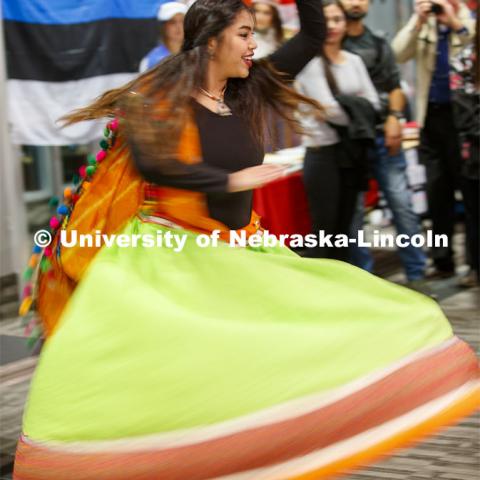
(236, 363)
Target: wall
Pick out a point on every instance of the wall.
(13, 237)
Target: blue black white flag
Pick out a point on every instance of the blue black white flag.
(61, 54)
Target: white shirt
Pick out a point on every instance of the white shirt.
(352, 79)
(266, 44)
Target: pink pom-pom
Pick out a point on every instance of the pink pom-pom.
(31, 325)
(48, 252)
(54, 222)
(82, 171)
(113, 125)
(101, 155)
(27, 290)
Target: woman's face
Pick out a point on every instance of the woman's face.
(233, 54)
(173, 29)
(263, 16)
(336, 24)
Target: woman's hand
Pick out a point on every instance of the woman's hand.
(254, 177)
(393, 135)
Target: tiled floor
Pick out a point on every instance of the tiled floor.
(454, 454)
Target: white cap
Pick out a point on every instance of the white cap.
(168, 10)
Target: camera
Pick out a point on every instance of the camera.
(437, 9)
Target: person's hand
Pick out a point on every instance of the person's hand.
(393, 135)
(254, 177)
(423, 8)
(449, 14)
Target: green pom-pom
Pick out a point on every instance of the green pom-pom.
(91, 170)
(53, 202)
(34, 336)
(45, 265)
(27, 274)
(104, 144)
(106, 132)
(92, 160)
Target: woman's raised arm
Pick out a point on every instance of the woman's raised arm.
(292, 57)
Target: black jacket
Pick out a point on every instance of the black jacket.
(378, 56)
(358, 137)
(466, 110)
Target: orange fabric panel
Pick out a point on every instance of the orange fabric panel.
(112, 198)
(54, 290)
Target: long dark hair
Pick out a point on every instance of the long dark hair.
(332, 82)
(156, 105)
(476, 63)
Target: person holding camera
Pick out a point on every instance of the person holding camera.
(435, 34)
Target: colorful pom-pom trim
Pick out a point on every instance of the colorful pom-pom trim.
(53, 202)
(54, 223)
(62, 210)
(113, 125)
(32, 263)
(101, 155)
(27, 274)
(35, 336)
(83, 171)
(70, 197)
(27, 290)
(25, 306)
(91, 169)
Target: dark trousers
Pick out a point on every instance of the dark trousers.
(471, 199)
(440, 153)
(332, 192)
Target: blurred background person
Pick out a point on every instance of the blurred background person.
(334, 170)
(466, 108)
(170, 15)
(269, 33)
(389, 162)
(434, 35)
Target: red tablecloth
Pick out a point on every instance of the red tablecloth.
(283, 205)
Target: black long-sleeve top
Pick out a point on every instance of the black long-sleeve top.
(227, 143)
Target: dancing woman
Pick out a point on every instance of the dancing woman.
(220, 362)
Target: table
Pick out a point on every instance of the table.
(283, 206)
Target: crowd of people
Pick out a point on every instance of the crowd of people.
(337, 167)
(253, 362)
